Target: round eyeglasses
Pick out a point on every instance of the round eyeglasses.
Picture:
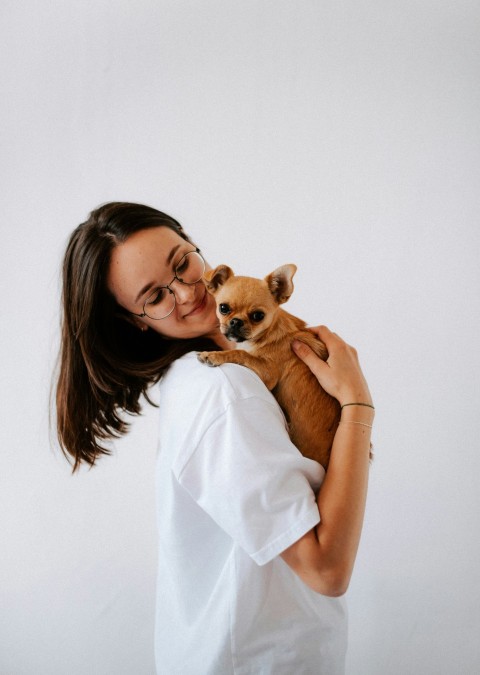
(161, 301)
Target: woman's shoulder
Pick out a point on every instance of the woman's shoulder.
(231, 380)
(193, 397)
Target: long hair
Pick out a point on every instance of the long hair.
(105, 363)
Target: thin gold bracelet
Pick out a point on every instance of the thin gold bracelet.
(353, 422)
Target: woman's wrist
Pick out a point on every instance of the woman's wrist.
(363, 413)
(359, 403)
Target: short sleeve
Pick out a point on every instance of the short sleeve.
(252, 481)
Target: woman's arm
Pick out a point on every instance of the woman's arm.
(324, 557)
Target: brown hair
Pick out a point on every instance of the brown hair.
(105, 363)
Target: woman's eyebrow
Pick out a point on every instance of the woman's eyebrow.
(150, 285)
(172, 253)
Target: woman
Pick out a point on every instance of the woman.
(249, 573)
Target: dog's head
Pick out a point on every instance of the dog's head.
(246, 307)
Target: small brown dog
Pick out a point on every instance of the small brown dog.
(250, 314)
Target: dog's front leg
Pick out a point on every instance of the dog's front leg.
(265, 370)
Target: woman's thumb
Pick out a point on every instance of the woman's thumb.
(301, 349)
(309, 357)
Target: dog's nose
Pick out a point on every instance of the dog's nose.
(236, 323)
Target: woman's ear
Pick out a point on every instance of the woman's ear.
(138, 323)
(133, 320)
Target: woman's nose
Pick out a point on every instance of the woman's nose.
(183, 292)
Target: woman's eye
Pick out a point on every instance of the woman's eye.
(258, 316)
(157, 296)
(182, 266)
(224, 308)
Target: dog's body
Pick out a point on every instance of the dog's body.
(249, 314)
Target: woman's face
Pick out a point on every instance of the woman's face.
(148, 259)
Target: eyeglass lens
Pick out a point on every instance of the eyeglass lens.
(161, 302)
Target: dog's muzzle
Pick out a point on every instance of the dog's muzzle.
(235, 330)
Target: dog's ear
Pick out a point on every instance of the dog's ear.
(280, 282)
(217, 277)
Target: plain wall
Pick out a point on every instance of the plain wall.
(341, 136)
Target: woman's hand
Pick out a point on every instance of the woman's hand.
(341, 375)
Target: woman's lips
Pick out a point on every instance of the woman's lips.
(199, 308)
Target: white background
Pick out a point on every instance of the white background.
(342, 136)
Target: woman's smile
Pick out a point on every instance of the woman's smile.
(199, 307)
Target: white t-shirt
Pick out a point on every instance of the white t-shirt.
(233, 492)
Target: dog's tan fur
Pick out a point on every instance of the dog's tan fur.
(312, 414)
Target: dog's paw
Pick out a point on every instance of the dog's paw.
(203, 357)
(210, 358)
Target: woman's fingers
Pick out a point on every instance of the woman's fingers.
(322, 370)
(326, 335)
(341, 376)
(321, 331)
(309, 357)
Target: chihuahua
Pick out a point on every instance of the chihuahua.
(250, 315)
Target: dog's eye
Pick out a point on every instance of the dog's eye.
(257, 316)
(224, 308)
